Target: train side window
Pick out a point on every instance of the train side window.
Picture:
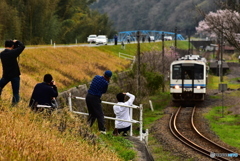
(198, 74)
(176, 72)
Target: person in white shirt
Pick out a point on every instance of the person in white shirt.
(122, 112)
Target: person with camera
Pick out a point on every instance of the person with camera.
(99, 86)
(123, 113)
(44, 93)
(11, 72)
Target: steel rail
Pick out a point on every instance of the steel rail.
(207, 139)
(184, 140)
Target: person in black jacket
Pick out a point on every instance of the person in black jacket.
(11, 72)
(44, 93)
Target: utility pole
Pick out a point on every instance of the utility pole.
(188, 33)
(163, 84)
(221, 50)
(175, 42)
(138, 63)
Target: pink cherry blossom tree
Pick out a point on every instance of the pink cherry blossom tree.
(222, 23)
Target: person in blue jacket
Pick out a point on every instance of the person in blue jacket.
(11, 72)
(44, 93)
(99, 86)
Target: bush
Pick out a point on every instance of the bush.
(154, 81)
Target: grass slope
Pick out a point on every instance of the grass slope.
(29, 136)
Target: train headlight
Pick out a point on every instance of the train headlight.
(177, 87)
(198, 87)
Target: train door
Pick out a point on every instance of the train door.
(188, 81)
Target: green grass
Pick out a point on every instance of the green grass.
(235, 94)
(131, 48)
(222, 122)
(232, 83)
(159, 103)
(159, 153)
(214, 81)
(216, 97)
(225, 125)
(122, 146)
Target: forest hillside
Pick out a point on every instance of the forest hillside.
(154, 14)
(42, 21)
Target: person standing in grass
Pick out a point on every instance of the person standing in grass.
(99, 86)
(11, 72)
(116, 39)
(123, 113)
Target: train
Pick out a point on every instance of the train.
(188, 78)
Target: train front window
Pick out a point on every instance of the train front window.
(176, 72)
(198, 71)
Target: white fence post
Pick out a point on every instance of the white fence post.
(141, 123)
(146, 137)
(151, 106)
(131, 114)
(70, 101)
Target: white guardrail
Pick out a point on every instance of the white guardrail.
(140, 122)
(140, 107)
(126, 56)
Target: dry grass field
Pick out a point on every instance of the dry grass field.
(25, 135)
(68, 65)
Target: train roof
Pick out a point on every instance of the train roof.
(193, 57)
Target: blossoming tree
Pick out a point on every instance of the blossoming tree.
(222, 23)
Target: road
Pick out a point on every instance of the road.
(61, 45)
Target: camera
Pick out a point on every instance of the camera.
(52, 83)
(15, 44)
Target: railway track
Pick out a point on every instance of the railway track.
(182, 126)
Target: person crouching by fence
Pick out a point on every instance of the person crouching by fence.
(44, 93)
(123, 113)
(99, 86)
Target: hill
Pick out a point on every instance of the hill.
(153, 14)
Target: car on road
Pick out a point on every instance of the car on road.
(168, 38)
(152, 38)
(91, 38)
(102, 39)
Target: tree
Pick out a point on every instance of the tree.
(228, 4)
(222, 22)
(10, 24)
(39, 21)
